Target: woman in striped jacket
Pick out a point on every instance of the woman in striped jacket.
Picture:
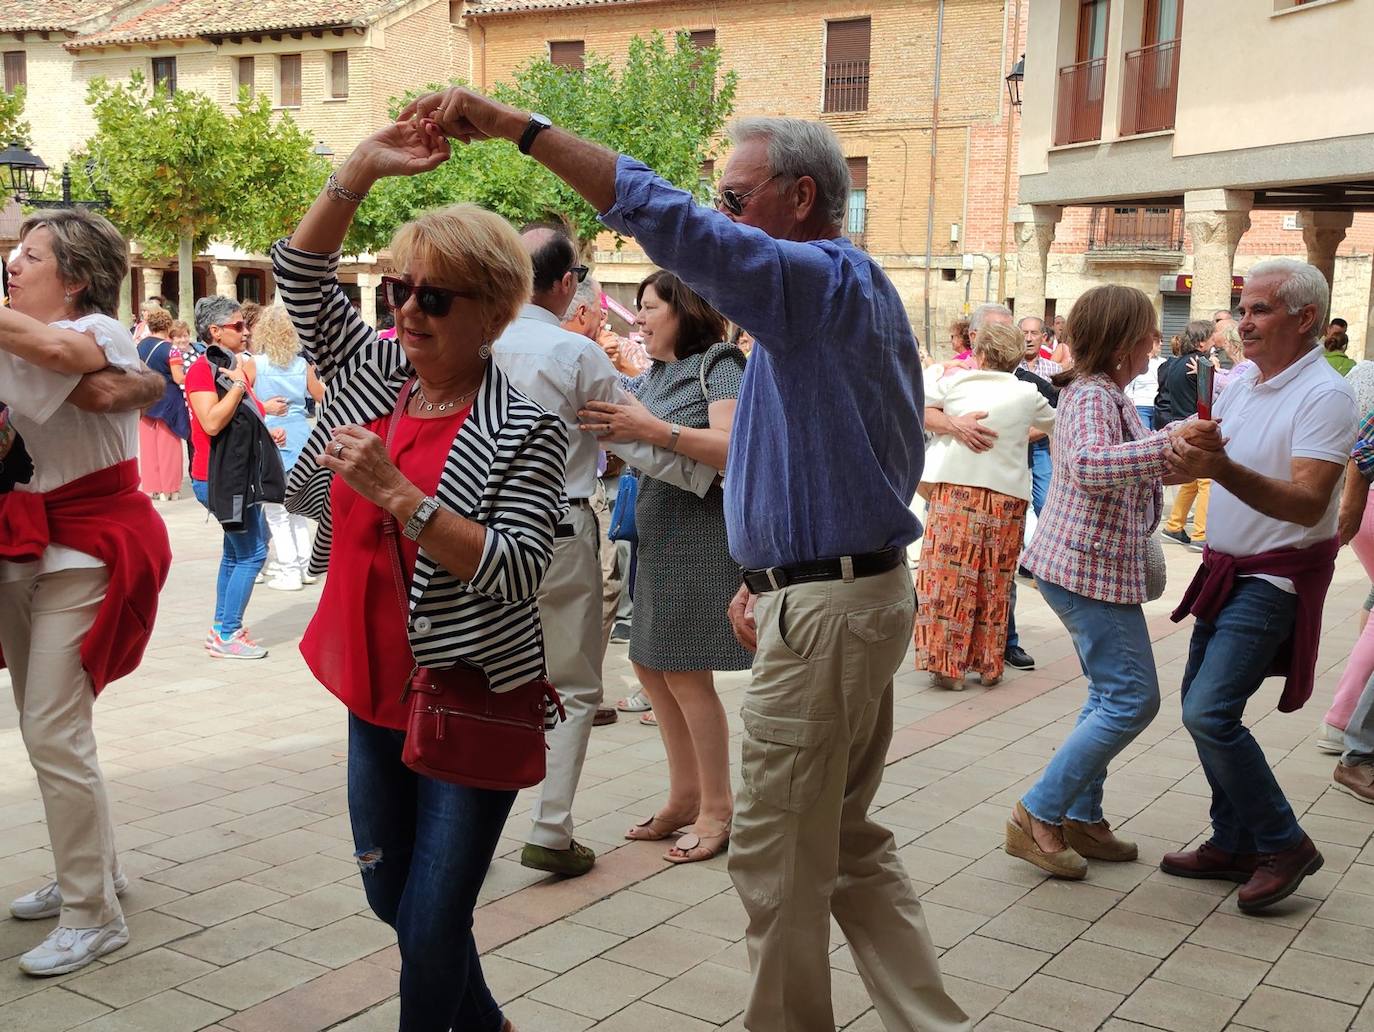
(473, 472)
(1089, 557)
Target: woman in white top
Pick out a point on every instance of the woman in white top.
(1142, 390)
(82, 556)
(977, 512)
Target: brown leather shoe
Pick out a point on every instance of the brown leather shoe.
(1062, 863)
(605, 715)
(1098, 842)
(1207, 861)
(1277, 875)
(1357, 781)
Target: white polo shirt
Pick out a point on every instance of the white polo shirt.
(1305, 412)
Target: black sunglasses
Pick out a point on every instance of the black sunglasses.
(733, 202)
(435, 301)
(581, 271)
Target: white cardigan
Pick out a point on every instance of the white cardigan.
(1013, 407)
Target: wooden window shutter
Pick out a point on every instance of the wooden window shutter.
(703, 38)
(289, 84)
(858, 173)
(848, 40)
(16, 71)
(568, 54)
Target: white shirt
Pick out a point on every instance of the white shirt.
(1142, 390)
(561, 371)
(1013, 406)
(65, 442)
(1305, 412)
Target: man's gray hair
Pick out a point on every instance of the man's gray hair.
(981, 313)
(1021, 323)
(797, 147)
(588, 293)
(1302, 285)
(214, 311)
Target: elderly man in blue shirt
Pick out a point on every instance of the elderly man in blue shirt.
(824, 460)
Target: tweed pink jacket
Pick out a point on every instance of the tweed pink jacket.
(1105, 496)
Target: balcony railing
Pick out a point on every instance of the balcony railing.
(1149, 89)
(1135, 229)
(1079, 104)
(846, 86)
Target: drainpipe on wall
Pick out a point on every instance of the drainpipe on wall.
(1006, 170)
(934, 149)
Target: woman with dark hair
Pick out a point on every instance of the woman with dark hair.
(1178, 383)
(685, 577)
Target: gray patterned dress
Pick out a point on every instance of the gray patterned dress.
(685, 577)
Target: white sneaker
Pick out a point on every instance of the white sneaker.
(237, 647)
(287, 580)
(1330, 739)
(47, 901)
(66, 949)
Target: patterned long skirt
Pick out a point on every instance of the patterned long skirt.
(963, 585)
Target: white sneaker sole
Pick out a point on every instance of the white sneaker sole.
(1330, 747)
(121, 886)
(1351, 792)
(114, 942)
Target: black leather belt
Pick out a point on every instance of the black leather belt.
(868, 565)
(581, 503)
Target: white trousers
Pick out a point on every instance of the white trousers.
(290, 536)
(570, 614)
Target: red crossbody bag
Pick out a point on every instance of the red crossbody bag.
(458, 729)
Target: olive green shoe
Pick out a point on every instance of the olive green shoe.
(571, 862)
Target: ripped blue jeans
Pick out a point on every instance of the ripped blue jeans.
(424, 847)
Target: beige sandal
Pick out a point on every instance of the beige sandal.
(1061, 863)
(658, 828)
(693, 848)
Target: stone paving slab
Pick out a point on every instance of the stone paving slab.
(247, 913)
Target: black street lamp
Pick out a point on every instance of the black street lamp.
(24, 175)
(1015, 77)
(322, 150)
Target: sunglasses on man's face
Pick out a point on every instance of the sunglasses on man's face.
(581, 272)
(435, 301)
(734, 202)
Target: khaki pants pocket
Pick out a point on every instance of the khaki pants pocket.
(784, 759)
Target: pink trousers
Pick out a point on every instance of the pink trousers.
(161, 461)
(1360, 666)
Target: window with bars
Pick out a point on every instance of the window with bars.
(847, 46)
(856, 211)
(570, 54)
(289, 80)
(16, 70)
(245, 70)
(338, 74)
(165, 74)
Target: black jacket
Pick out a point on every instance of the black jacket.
(245, 466)
(16, 467)
(1177, 398)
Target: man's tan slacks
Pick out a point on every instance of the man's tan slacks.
(818, 720)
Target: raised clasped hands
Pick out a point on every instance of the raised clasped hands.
(402, 149)
(1197, 448)
(465, 116)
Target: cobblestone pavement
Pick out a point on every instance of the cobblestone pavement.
(247, 912)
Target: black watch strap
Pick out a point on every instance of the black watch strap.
(536, 125)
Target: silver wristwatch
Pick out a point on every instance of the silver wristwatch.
(419, 520)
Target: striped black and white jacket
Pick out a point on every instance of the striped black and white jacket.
(504, 471)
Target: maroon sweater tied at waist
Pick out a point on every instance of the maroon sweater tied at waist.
(1310, 569)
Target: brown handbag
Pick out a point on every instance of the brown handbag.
(458, 729)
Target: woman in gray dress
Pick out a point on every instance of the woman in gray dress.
(686, 578)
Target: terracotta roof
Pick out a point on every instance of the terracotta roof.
(49, 15)
(482, 8)
(191, 19)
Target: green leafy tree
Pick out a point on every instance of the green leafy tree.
(666, 106)
(13, 128)
(180, 170)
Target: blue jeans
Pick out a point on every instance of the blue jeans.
(244, 553)
(1013, 639)
(1041, 469)
(1113, 646)
(1147, 416)
(1227, 662)
(424, 847)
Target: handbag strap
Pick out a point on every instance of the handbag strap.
(390, 530)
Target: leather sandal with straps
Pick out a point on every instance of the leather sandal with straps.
(656, 828)
(693, 847)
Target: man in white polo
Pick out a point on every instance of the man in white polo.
(1271, 547)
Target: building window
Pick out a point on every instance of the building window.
(249, 286)
(165, 74)
(338, 74)
(703, 38)
(856, 212)
(570, 54)
(16, 70)
(846, 64)
(289, 80)
(244, 72)
(706, 181)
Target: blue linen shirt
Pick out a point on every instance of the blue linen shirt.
(827, 444)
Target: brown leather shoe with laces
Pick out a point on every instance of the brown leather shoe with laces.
(1207, 861)
(1277, 875)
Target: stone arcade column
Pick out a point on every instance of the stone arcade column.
(225, 280)
(1322, 232)
(1034, 226)
(152, 282)
(368, 282)
(1215, 220)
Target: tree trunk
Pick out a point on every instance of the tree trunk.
(186, 291)
(126, 304)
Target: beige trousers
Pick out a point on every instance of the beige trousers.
(612, 578)
(570, 614)
(818, 720)
(43, 621)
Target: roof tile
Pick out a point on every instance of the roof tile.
(480, 8)
(187, 19)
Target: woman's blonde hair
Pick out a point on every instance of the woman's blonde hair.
(1104, 323)
(466, 247)
(999, 347)
(275, 338)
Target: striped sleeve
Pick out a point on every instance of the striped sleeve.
(332, 331)
(528, 504)
(1099, 460)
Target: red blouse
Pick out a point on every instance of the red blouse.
(357, 644)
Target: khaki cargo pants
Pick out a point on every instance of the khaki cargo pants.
(818, 720)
